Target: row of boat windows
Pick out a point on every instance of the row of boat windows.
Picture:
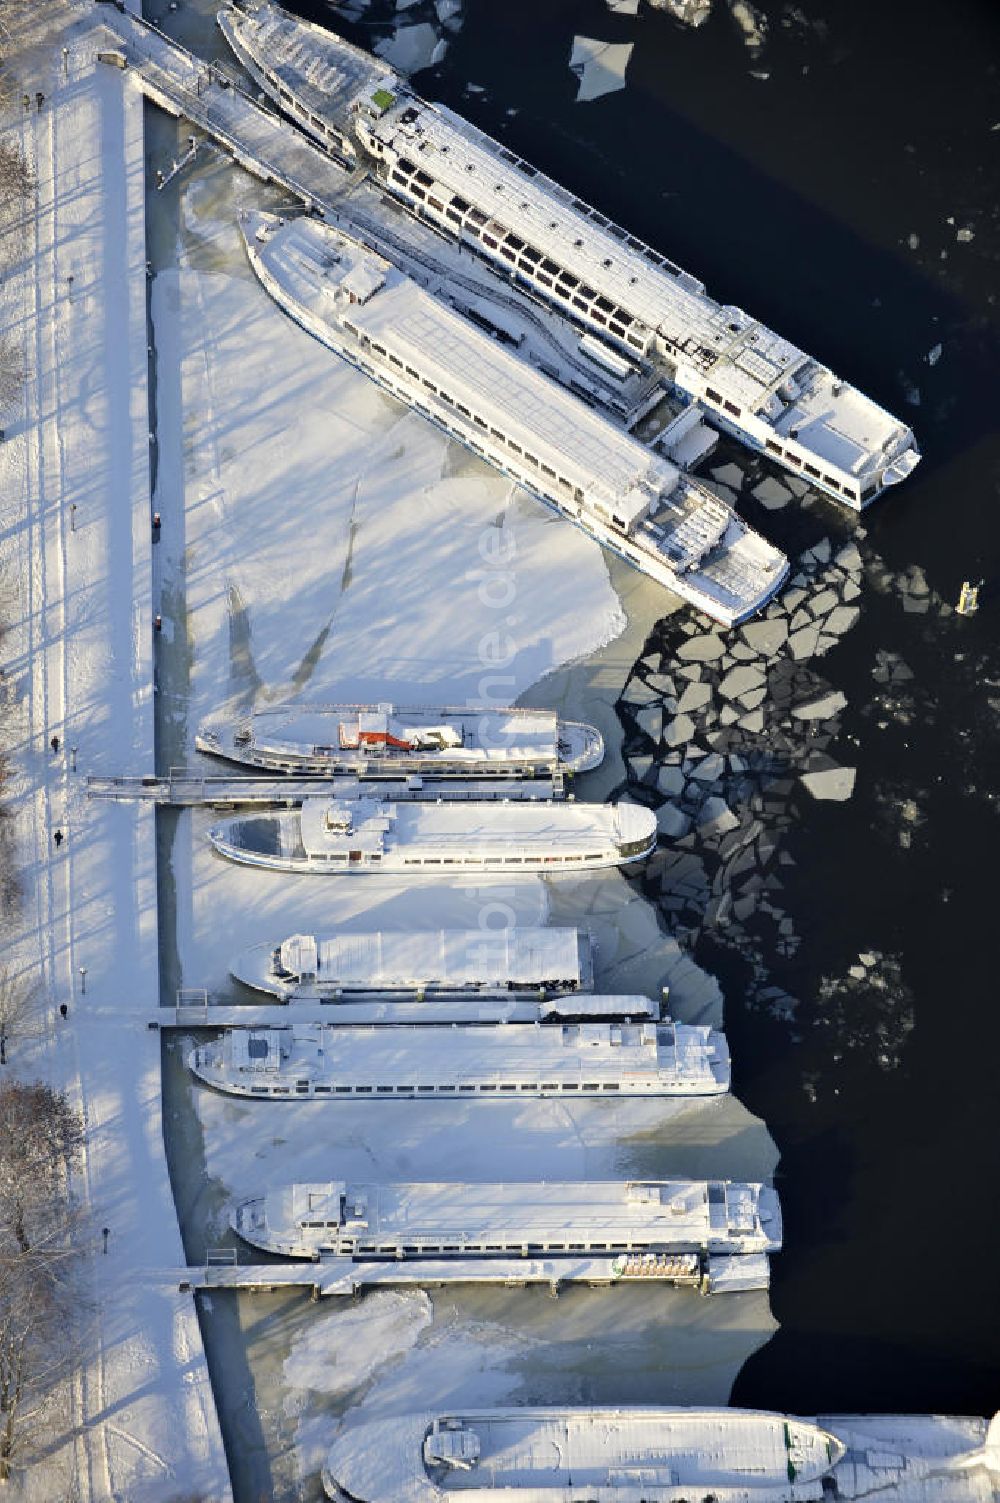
(295, 106)
(450, 1089)
(594, 216)
(787, 455)
(450, 401)
(518, 1249)
(506, 860)
(346, 856)
(529, 261)
(518, 472)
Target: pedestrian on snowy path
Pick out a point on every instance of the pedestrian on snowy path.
(58, 838)
(54, 743)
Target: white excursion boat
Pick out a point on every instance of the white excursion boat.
(382, 740)
(364, 835)
(674, 1231)
(662, 1455)
(628, 297)
(451, 962)
(566, 1455)
(495, 1062)
(644, 508)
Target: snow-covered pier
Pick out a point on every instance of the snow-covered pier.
(188, 87)
(340, 1276)
(391, 1010)
(191, 790)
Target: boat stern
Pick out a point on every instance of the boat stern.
(581, 746)
(635, 832)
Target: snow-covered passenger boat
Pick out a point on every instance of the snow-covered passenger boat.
(372, 741)
(328, 836)
(492, 1063)
(636, 1455)
(452, 962)
(644, 1454)
(637, 303)
(659, 519)
(605, 1230)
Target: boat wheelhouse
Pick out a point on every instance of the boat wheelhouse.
(330, 836)
(667, 1230)
(453, 962)
(577, 1061)
(636, 302)
(629, 499)
(531, 1455)
(374, 741)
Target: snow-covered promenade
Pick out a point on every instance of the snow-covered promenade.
(76, 562)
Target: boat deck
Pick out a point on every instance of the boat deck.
(647, 1059)
(490, 1219)
(392, 960)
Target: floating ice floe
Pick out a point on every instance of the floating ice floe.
(751, 22)
(730, 475)
(600, 66)
(688, 12)
(716, 815)
(412, 48)
(934, 355)
(834, 783)
(772, 494)
(822, 708)
(890, 668)
(704, 649)
(623, 7)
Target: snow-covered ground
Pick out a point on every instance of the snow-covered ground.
(139, 1421)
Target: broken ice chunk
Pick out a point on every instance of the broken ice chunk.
(600, 66)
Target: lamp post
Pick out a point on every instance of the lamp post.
(83, 981)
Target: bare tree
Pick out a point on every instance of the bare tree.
(19, 1004)
(11, 373)
(41, 1136)
(17, 181)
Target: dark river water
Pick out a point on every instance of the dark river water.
(828, 182)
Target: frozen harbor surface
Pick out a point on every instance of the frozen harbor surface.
(430, 575)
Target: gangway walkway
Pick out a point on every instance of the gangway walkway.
(204, 93)
(180, 789)
(275, 151)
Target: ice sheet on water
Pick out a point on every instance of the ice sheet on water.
(346, 1345)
